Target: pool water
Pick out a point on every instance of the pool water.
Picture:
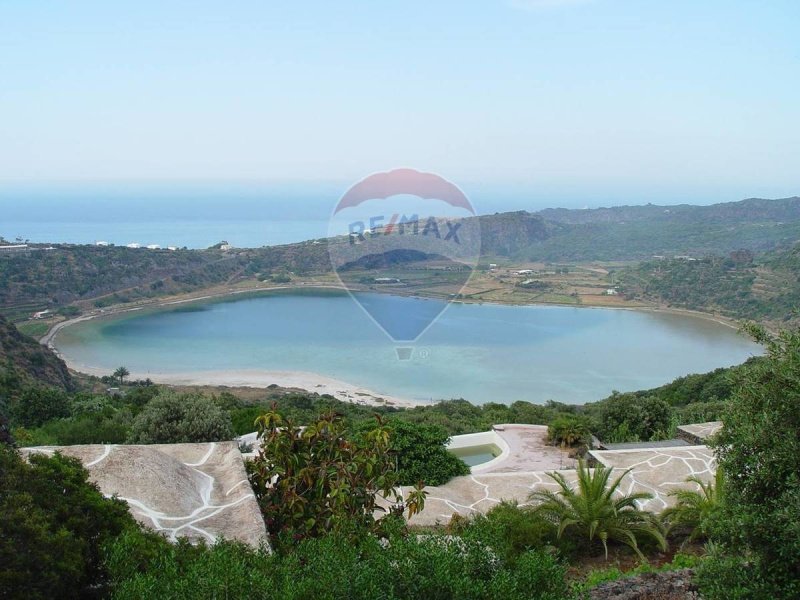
(477, 455)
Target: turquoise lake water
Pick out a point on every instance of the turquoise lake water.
(483, 353)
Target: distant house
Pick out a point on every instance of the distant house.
(492, 266)
(134, 245)
(386, 280)
(42, 314)
(525, 272)
(154, 247)
(226, 247)
(173, 248)
(14, 248)
(611, 292)
(102, 243)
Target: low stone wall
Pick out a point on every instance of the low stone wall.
(666, 585)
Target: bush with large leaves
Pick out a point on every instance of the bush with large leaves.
(756, 535)
(314, 480)
(597, 511)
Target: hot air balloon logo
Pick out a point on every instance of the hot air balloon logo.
(408, 233)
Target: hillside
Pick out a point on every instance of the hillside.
(639, 232)
(740, 285)
(100, 276)
(52, 278)
(24, 361)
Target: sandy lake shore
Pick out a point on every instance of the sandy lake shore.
(256, 378)
(302, 380)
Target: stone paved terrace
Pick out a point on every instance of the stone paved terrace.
(698, 433)
(660, 470)
(654, 470)
(187, 490)
(528, 450)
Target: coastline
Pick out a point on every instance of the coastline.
(301, 380)
(262, 379)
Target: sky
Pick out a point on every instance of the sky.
(625, 99)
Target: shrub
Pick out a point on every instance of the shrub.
(332, 567)
(421, 454)
(626, 417)
(172, 418)
(694, 509)
(311, 481)
(37, 404)
(53, 524)
(593, 513)
(568, 430)
(508, 529)
(757, 531)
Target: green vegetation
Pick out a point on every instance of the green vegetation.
(511, 531)
(639, 232)
(102, 276)
(53, 528)
(740, 285)
(313, 480)
(597, 577)
(24, 362)
(694, 509)
(111, 275)
(626, 417)
(331, 568)
(421, 455)
(120, 374)
(35, 406)
(171, 418)
(569, 430)
(328, 543)
(34, 329)
(756, 533)
(592, 513)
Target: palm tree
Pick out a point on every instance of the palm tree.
(121, 373)
(693, 507)
(593, 512)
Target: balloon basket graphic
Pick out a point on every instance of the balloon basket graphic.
(404, 353)
(394, 233)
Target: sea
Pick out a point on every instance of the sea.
(199, 215)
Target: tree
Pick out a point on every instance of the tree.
(120, 374)
(593, 513)
(5, 428)
(757, 531)
(694, 508)
(421, 454)
(53, 526)
(312, 480)
(36, 405)
(626, 417)
(172, 418)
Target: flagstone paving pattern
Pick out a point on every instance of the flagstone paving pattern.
(659, 471)
(700, 432)
(199, 491)
(654, 470)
